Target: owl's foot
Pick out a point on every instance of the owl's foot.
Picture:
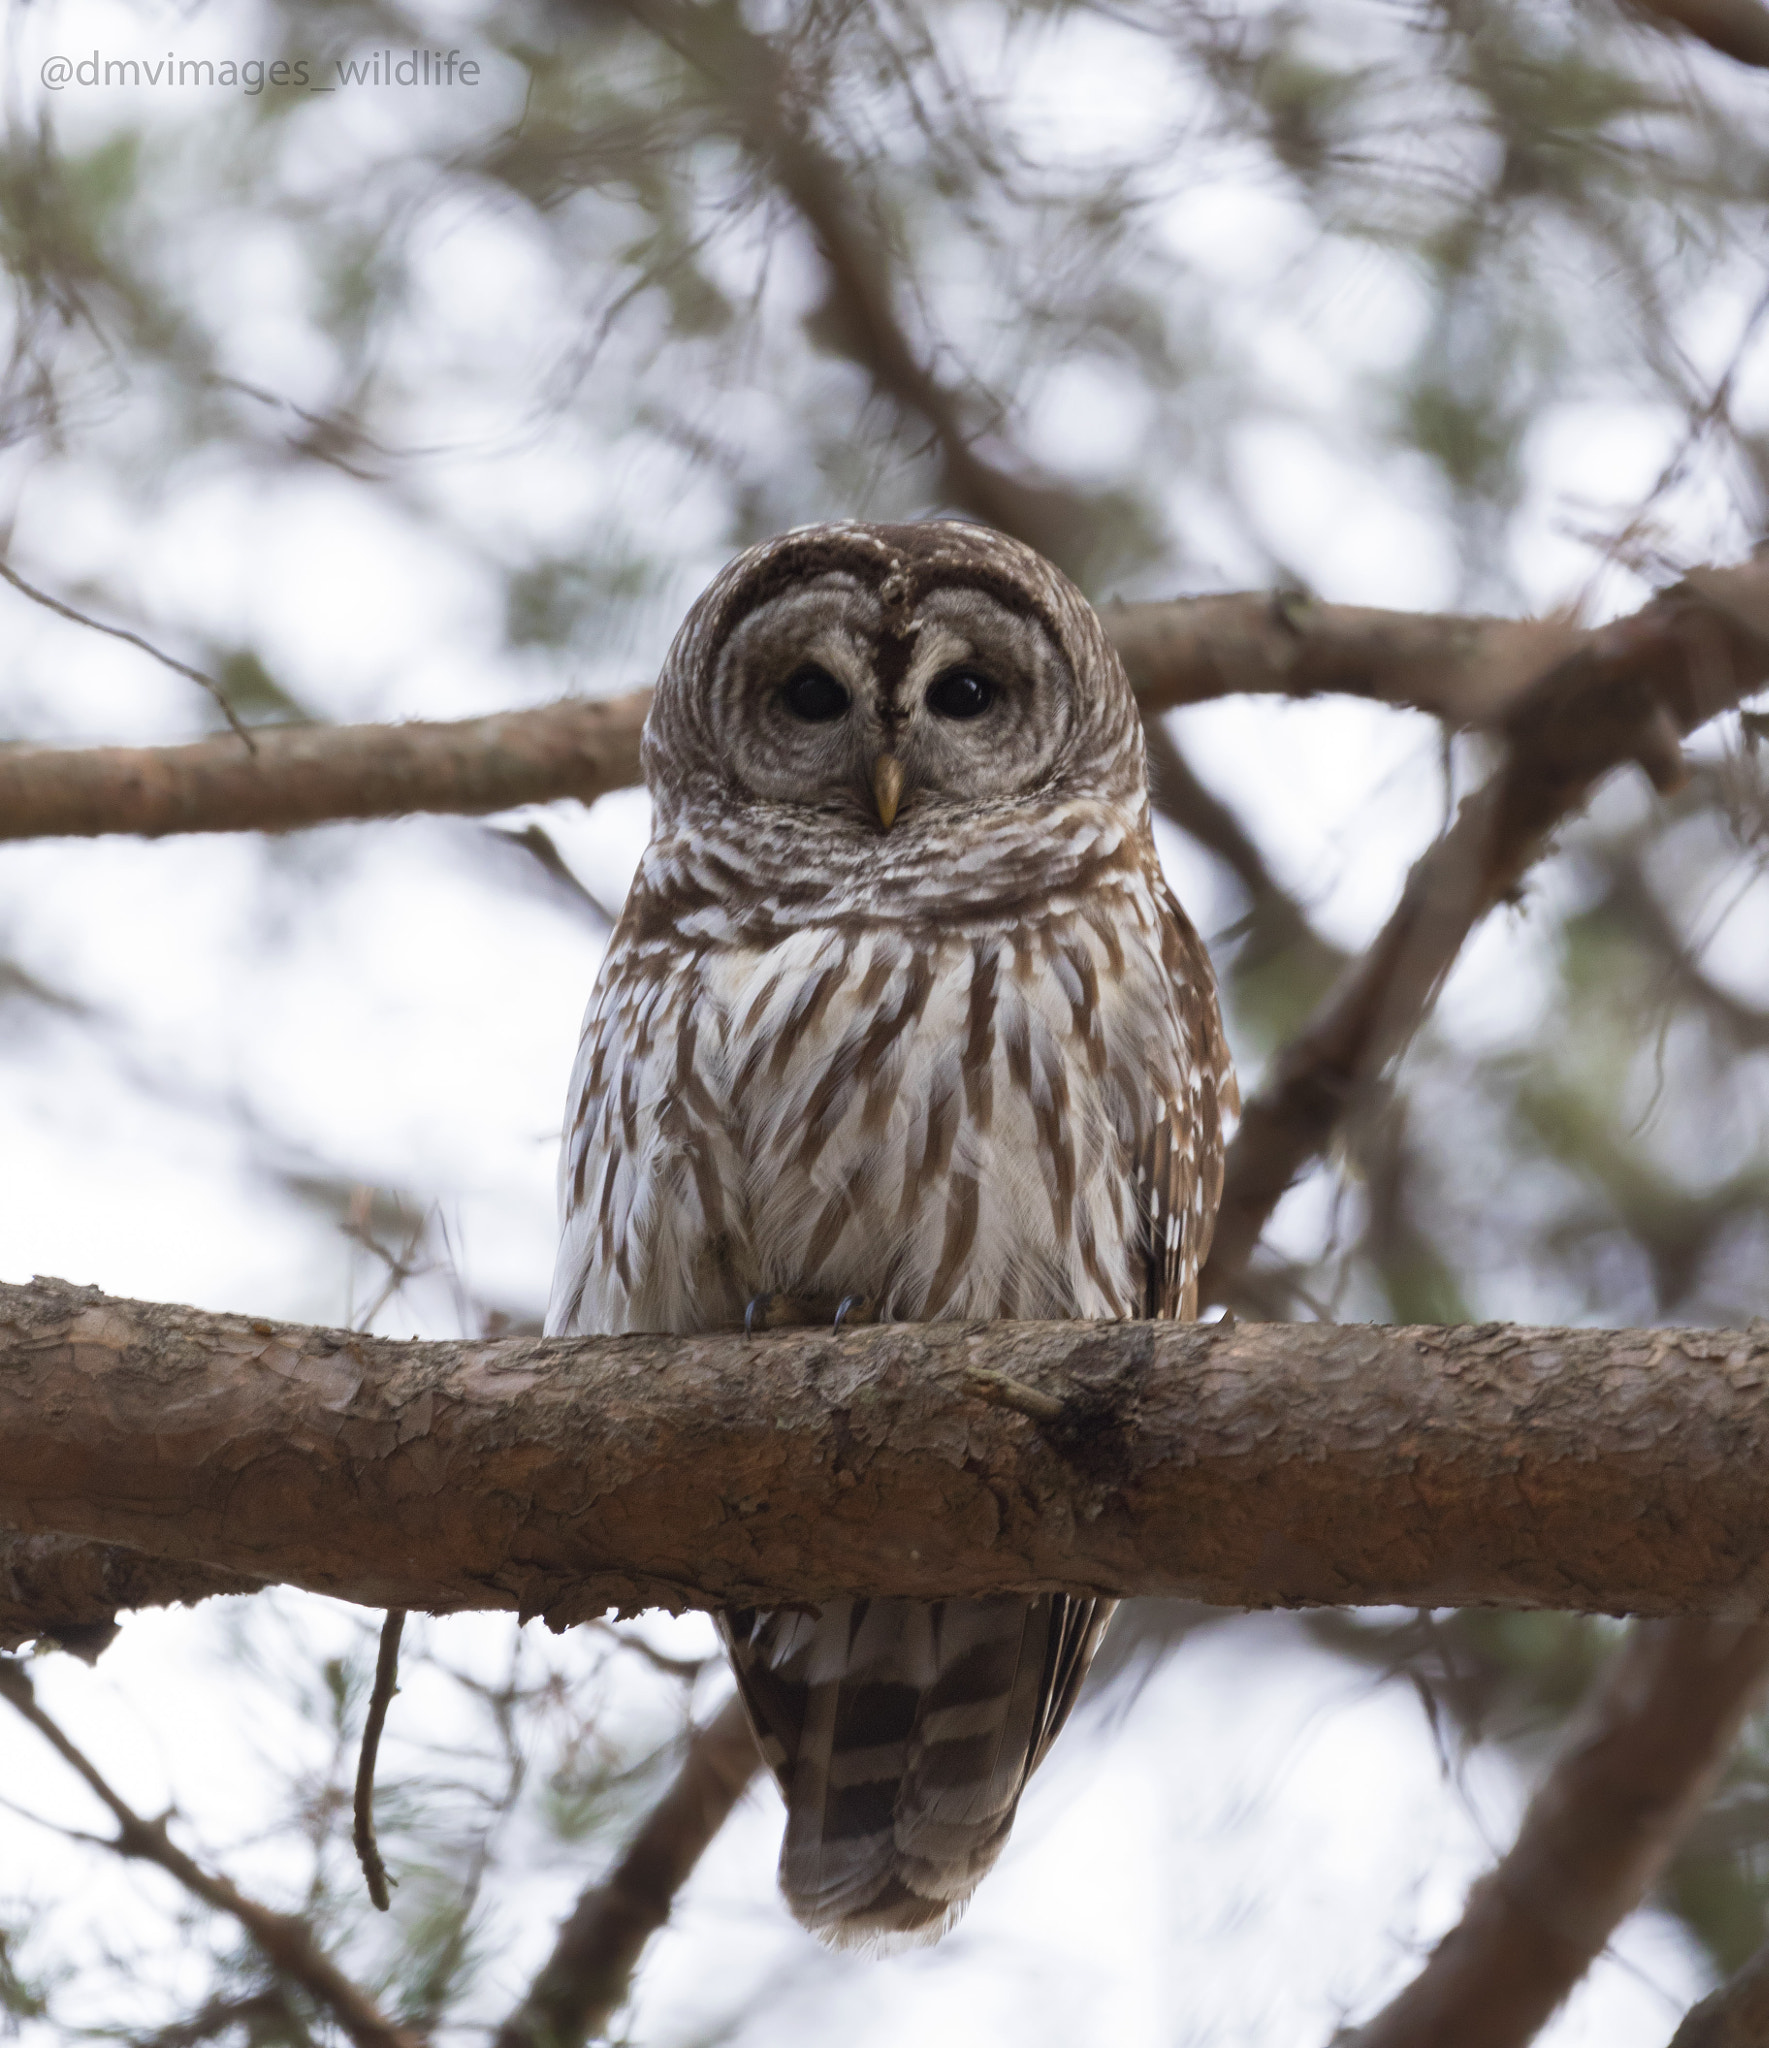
(780, 1311)
(855, 1308)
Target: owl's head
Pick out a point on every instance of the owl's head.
(872, 680)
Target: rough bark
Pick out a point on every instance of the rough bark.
(70, 1591)
(1259, 1465)
(1627, 693)
(1469, 672)
(1640, 1760)
(585, 1980)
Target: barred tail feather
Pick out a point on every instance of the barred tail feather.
(903, 1734)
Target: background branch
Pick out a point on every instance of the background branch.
(1736, 28)
(1640, 1759)
(286, 1941)
(1476, 673)
(1736, 2015)
(585, 1980)
(1626, 694)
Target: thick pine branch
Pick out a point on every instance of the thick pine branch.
(1248, 1466)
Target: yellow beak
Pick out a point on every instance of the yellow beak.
(887, 787)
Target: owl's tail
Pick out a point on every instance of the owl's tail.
(903, 1734)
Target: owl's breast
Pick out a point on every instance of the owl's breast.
(944, 1123)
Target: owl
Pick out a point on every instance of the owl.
(900, 1021)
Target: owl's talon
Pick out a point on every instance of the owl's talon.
(847, 1302)
(758, 1306)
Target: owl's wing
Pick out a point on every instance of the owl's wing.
(646, 1167)
(1180, 1150)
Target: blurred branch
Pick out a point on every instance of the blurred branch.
(313, 774)
(1745, 1024)
(286, 1941)
(751, 82)
(1735, 2016)
(1627, 693)
(1640, 1759)
(585, 1980)
(1188, 651)
(1466, 671)
(1247, 1465)
(1736, 28)
(1175, 790)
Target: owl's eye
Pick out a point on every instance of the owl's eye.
(960, 693)
(814, 695)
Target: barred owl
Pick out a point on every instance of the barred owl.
(899, 1020)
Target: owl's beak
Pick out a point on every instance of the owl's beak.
(887, 787)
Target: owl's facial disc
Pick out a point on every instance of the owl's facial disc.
(830, 699)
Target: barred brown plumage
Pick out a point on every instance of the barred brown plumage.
(899, 1009)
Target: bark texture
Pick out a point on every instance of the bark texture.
(69, 1591)
(1259, 1465)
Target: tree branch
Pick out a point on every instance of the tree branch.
(1738, 29)
(1640, 1760)
(1469, 672)
(68, 1591)
(584, 1982)
(1255, 1465)
(317, 774)
(1627, 693)
(285, 1940)
(1735, 2016)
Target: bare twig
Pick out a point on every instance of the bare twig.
(179, 668)
(1001, 1390)
(585, 1980)
(368, 1850)
(286, 1942)
(1639, 1761)
(1745, 1024)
